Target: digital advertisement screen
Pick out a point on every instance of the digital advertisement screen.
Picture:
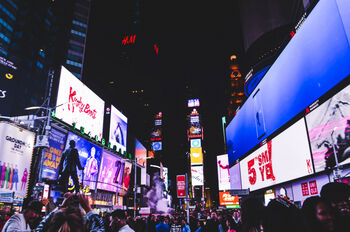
(90, 157)
(193, 102)
(310, 65)
(196, 155)
(140, 153)
(9, 81)
(156, 146)
(223, 172)
(110, 177)
(76, 103)
(285, 157)
(52, 155)
(197, 175)
(126, 178)
(165, 177)
(328, 125)
(196, 143)
(118, 129)
(235, 177)
(16, 151)
(225, 198)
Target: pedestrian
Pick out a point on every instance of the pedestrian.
(119, 222)
(161, 226)
(22, 221)
(50, 206)
(185, 226)
(252, 211)
(176, 226)
(230, 223)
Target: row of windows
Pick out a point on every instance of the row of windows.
(74, 58)
(81, 19)
(7, 12)
(75, 22)
(76, 48)
(47, 22)
(5, 38)
(77, 38)
(5, 24)
(76, 64)
(12, 4)
(78, 28)
(77, 33)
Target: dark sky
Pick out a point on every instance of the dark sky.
(195, 40)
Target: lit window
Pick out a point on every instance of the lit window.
(77, 33)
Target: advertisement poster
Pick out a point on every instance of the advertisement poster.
(9, 81)
(76, 103)
(181, 186)
(223, 172)
(197, 175)
(196, 155)
(118, 129)
(328, 125)
(285, 157)
(90, 157)
(156, 146)
(140, 153)
(225, 198)
(110, 177)
(16, 150)
(235, 177)
(126, 178)
(53, 154)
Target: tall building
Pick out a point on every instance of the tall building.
(37, 36)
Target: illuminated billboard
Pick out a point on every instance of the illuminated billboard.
(235, 177)
(225, 198)
(223, 172)
(16, 151)
(196, 143)
(118, 129)
(197, 175)
(89, 156)
(311, 64)
(285, 157)
(193, 103)
(140, 153)
(110, 177)
(328, 125)
(196, 155)
(76, 103)
(156, 146)
(126, 178)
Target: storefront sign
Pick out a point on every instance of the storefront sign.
(181, 186)
(284, 158)
(225, 198)
(305, 189)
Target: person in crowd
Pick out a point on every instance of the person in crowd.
(200, 226)
(151, 223)
(176, 226)
(161, 226)
(338, 194)
(22, 221)
(318, 215)
(231, 225)
(213, 224)
(185, 226)
(107, 221)
(252, 211)
(281, 215)
(50, 206)
(68, 216)
(140, 225)
(119, 222)
(237, 220)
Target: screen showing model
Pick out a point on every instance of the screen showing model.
(118, 129)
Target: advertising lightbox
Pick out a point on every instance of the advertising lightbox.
(235, 177)
(284, 158)
(16, 151)
(197, 175)
(110, 177)
(312, 63)
(89, 156)
(126, 178)
(196, 155)
(225, 198)
(181, 184)
(76, 103)
(52, 155)
(328, 125)
(223, 172)
(140, 153)
(156, 146)
(165, 177)
(196, 143)
(118, 129)
(193, 103)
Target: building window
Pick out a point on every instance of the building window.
(76, 64)
(75, 22)
(5, 38)
(7, 12)
(40, 65)
(12, 4)
(77, 33)
(5, 24)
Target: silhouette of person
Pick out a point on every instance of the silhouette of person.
(24, 179)
(68, 167)
(15, 178)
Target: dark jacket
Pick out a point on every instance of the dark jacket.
(69, 161)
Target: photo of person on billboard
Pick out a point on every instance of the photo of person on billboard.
(91, 168)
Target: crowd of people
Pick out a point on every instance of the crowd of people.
(329, 212)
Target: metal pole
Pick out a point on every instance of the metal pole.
(187, 205)
(336, 174)
(135, 186)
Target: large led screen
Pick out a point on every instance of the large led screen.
(110, 177)
(16, 151)
(197, 175)
(311, 64)
(140, 153)
(328, 125)
(89, 156)
(235, 177)
(52, 155)
(118, 129)
(196, 155)
(76, 103)
(284, 158)
(126, 178)
(223, 172)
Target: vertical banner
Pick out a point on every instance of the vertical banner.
(223, 172)
(52, 155)
(126, 178)
(181, 186)
(16, 150)
(197, 175)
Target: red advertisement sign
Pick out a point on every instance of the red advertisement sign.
(313, 187)
(225, 198)
(181, 186)
(305, 189)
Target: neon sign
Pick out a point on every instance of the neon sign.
(128, 39)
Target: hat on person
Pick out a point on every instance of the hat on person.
(119, 214)
(35, 205)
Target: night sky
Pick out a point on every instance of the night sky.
(195, 40)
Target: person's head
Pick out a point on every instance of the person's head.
(213, 215)
(118, 219)
(251, 213)
(72, 143)
(166, 220)
(66, 220)
(318, 214)
(236, 215)
(338, 195)
(183, 222)
(32, 211)
(230, 223)
(127, 170)
(161, 219)
(93, 151)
